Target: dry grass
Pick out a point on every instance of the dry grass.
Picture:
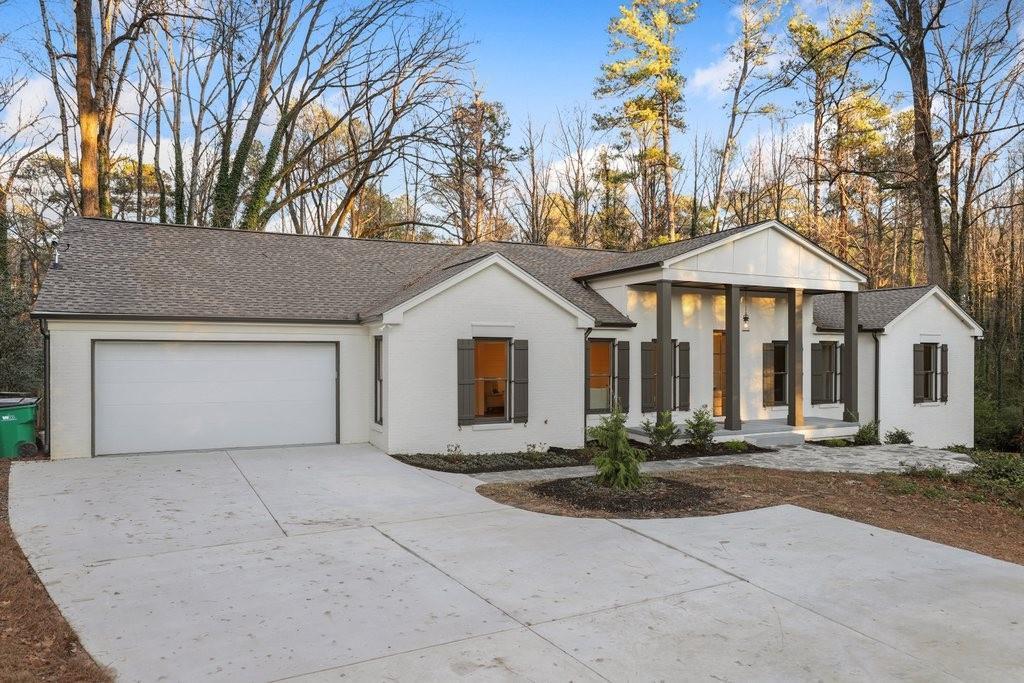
(946, 511)
(36, 643)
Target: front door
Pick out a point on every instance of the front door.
(718, 400)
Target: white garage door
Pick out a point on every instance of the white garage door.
(176, 396)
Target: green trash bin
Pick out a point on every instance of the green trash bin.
(18, 427)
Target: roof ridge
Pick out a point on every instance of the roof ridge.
(896, 289)
(151, 224)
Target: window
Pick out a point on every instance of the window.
(825, 376)
(774, 373)
(378, 380)
(599, 375)
(491, 378)
(931, 373)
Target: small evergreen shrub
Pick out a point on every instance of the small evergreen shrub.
(662, 433)
(867, 435)
(896, 436)
(736, 446)
(617, 461)
(700, 429)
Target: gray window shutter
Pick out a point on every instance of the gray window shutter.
(467, 380)
(768, 374)
(920, 378)
(683, 368)
(520, 381)
(944, 377)
(817, 374)
(835, 362)
(648, 375)
(622, 375)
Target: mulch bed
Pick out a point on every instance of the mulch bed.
(36, 643)
(652, 499)
(950, 511)
(469, 463)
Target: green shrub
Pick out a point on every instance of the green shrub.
(736, 446)
(997, 428)
(833, 443)
(897, 436)
(617, 461)
(700, 429)
(662, 433)
(867, 435)
(959, 448)
(1000, 474)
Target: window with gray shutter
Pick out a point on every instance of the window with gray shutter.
(944, 377)
(926, 372)
(648, 376)
(622, 375)
(683, 376)
(467, 380)
(520, 380)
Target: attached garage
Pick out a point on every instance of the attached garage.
(151, 396)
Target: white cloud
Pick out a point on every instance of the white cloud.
(34, 99)
(712, 81)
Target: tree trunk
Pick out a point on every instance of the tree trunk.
(666, 162)
(88, 114)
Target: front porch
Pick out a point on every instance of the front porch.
(776, 432)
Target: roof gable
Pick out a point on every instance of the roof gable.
(879, 309)
(468, 269)
(769, 249)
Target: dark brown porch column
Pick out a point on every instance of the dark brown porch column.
(795, 358)
(732, 357)
(849, 377)
(663, 391)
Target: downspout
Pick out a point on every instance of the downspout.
(586, 336)
(878, 357)
(45, 331)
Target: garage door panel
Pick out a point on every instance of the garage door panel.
(164, 396)
(197, 393)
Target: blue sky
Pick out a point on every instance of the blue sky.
(539, 56)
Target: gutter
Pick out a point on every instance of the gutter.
(56, 315)
(878, 358)
(44, 330)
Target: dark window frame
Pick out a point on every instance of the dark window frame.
(611, 375)
(509, 373)
(780, 378)
(378, 379)
(833, 373)
(932, 373)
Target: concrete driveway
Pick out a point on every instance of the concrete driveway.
(335, 562)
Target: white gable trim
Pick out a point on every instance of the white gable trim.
(394, 316)
(965, 318)
(788, 232)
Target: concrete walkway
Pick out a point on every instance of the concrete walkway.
(805, 458)
(339, 562)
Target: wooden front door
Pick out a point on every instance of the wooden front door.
(718, 400)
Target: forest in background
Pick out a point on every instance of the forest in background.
(889, 133)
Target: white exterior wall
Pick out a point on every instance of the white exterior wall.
(421, 395)
(71, 369)
(932, 424)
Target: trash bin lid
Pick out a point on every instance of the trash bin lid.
(13, 401)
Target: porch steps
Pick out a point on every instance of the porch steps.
(781, 439)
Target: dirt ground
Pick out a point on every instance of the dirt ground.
(945, 511)
(36, 644)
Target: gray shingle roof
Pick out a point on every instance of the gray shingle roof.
(655, 255)
(876, 308)
(119, 268)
